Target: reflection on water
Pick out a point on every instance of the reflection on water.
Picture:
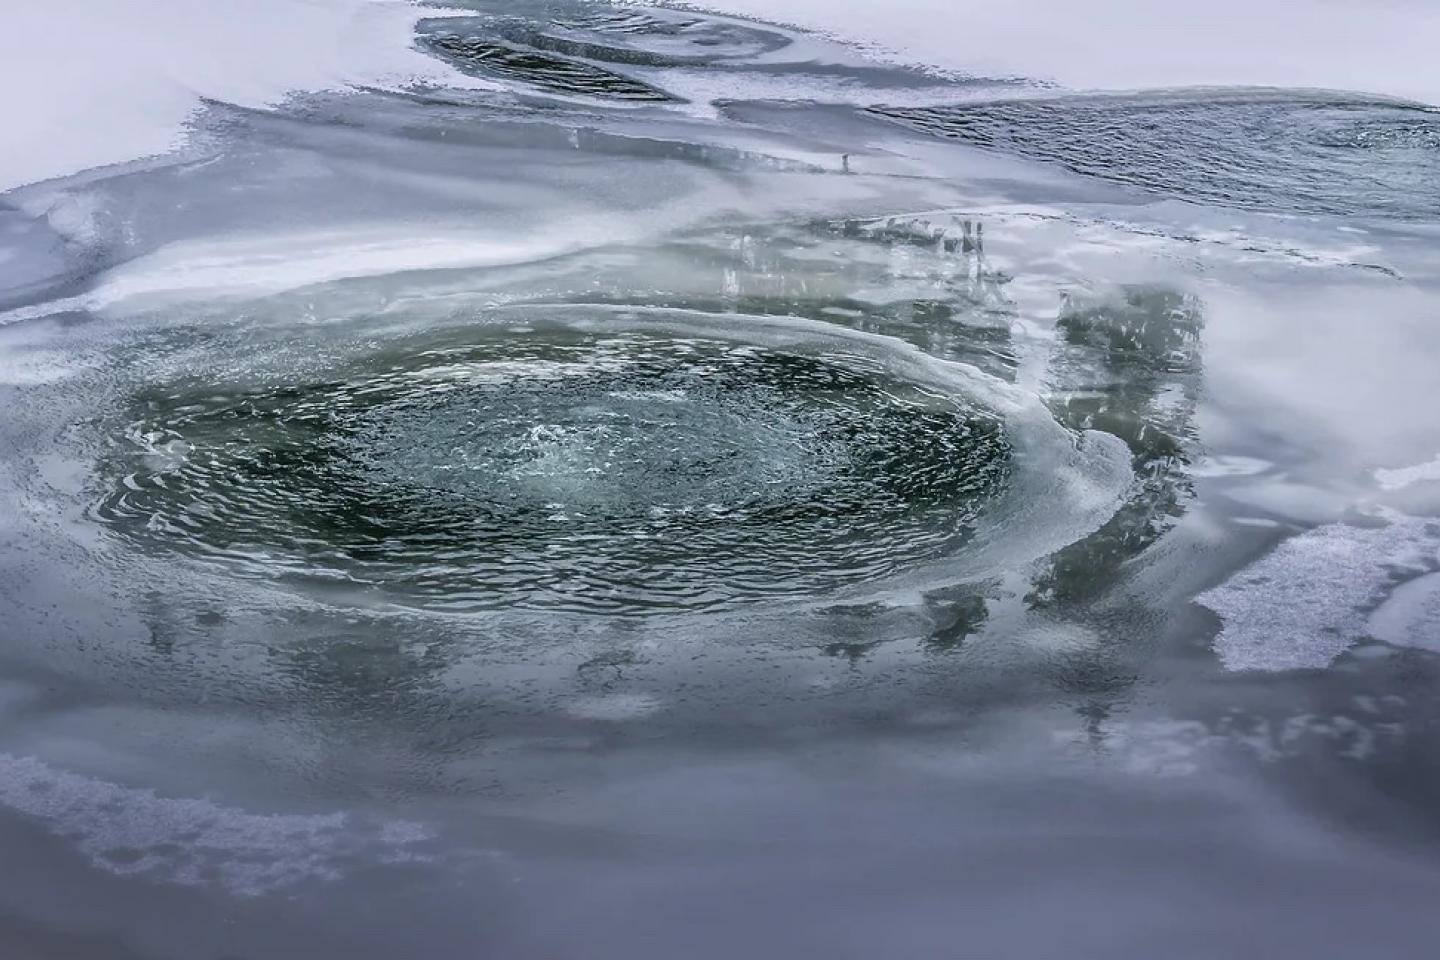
(1135, 373)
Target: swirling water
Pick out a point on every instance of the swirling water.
(658, 483)
(564, 470)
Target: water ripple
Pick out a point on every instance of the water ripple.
(565, 469)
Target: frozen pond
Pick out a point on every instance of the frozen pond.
(571, 480)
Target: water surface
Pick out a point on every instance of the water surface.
(656, 483)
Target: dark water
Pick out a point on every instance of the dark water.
(697, 491)
(1284, 151)
(537, 469)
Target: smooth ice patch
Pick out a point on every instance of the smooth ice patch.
(1264, 522)
(1307, 601)
(1411, 616)
(1297, 502)
(1222, 466)
(1402, 477)
(109, 81)
(265, 264)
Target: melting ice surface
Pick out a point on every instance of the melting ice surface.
(550, 479)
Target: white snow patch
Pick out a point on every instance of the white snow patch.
(108, 81)
(1307, 601)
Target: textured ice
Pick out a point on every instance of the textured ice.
(1233, 466)
(190, 841)
(1307, 601)
(614, 706)
(1169, 747)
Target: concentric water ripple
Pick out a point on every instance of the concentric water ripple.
(570, 469)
